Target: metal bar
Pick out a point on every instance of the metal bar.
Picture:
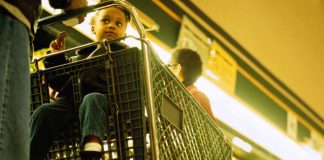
(82, 47)
(72, 13)
(147, 72)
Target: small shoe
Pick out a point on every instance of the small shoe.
(91, 151)
(91, 155)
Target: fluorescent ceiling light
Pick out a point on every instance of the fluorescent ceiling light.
(312, 154)
(242, 144)
(248, 123)
(211, 74)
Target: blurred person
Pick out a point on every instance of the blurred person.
(18, 20)
(190, 70)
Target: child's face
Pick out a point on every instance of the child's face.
(109, 24)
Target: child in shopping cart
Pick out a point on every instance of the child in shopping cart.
(50, 119)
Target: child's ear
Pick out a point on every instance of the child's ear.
(92, 29)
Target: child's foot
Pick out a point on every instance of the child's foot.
(91, 151)
(92, 146)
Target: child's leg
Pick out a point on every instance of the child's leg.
(93, 118)
(47, 122)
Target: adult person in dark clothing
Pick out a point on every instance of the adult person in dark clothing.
(18, 20)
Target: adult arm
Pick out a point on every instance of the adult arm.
(70, 5)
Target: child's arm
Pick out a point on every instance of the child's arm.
(69, 5)
(56, 45)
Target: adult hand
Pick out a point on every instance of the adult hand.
(75, 4)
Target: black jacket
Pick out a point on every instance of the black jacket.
(93, 80)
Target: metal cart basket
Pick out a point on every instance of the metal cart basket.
(152, 115)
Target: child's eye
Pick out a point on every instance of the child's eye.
(105, 21)
(119, 24)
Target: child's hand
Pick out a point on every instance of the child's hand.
(59, 43)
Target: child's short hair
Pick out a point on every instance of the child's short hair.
(123, 9)
(190, 62)
(126, 12)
